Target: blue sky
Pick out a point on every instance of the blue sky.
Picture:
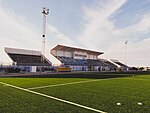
(102, 25)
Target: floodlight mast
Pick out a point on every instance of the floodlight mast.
(45, 12)
(126, 42)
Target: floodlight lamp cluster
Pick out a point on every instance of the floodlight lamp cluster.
(45, 11)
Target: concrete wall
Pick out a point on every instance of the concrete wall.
(80, 55)
(67, 54)
(75, 54)
(61, 53)
(92, 57)
(79, 68)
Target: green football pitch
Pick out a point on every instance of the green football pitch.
(75, 95)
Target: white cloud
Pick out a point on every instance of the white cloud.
(100, 33)
(52, 29)
(98, 25)
(60, 38)
(17, 32)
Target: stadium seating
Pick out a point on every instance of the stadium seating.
(71, 61)
(121, 64)
(109, 64)
(84, 62)
(29, 60)
(104, 64)
(92, 62)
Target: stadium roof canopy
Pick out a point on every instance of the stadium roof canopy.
(67, 48)
(27, 57)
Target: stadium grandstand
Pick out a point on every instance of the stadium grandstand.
(82, 60)
(27, 58)
(120, 64)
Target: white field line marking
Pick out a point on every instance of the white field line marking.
(54, 98)
(80, 82)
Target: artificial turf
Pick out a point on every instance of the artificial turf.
(103, 95)
(17, 101)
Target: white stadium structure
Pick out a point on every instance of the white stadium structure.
(76, 59)
(84, 60)
(27, 59)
